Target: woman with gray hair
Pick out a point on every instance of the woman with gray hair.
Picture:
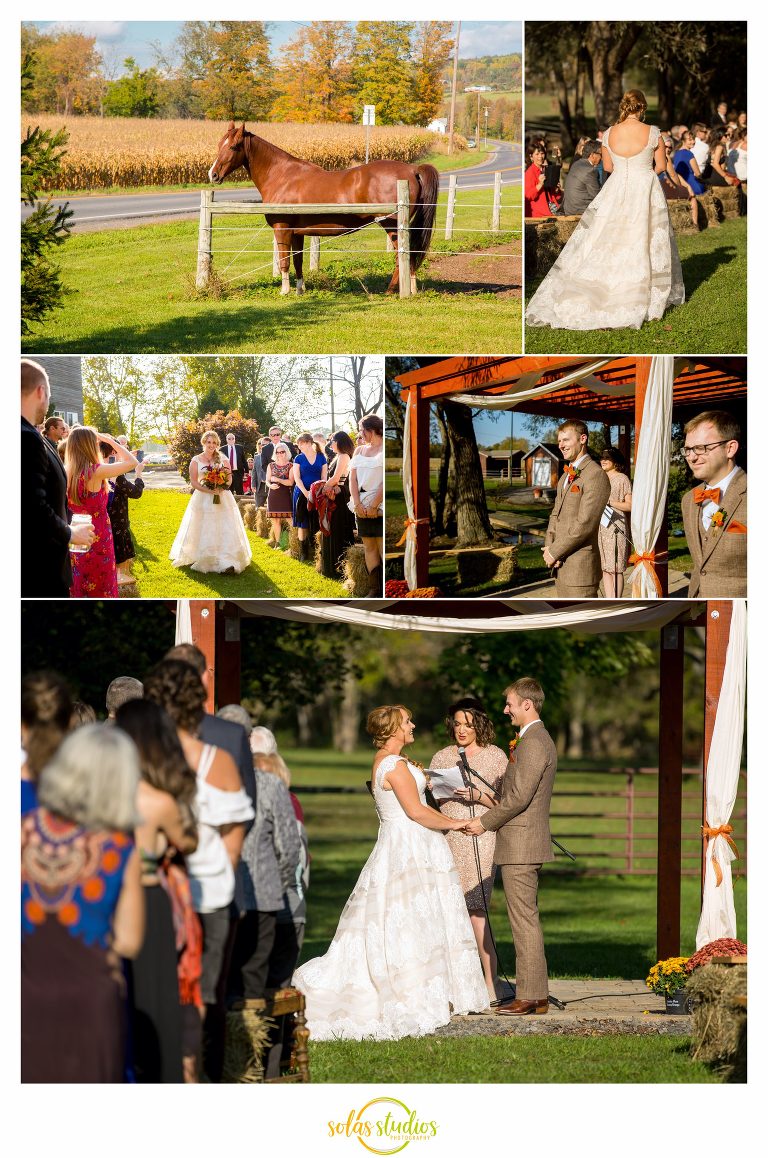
(279, 484)
(82, 907)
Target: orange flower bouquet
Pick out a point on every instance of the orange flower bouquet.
(214, 479)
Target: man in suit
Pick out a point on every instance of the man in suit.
(275, 436)
(259, 475)
(572, 548)
(582, 184)
(46, 535)
(235, 452)
(523, 843)
(715, 513)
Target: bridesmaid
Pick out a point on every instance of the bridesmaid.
(470, 728)
(614, 539)
(94, 573)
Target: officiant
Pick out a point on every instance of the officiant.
(470, 729)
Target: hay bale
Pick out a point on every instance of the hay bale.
(319, 552)
(294, 543)
(487, 565)
(248, 1037)
(128, 590)
(249, 515)
(262, 522)
(355, 576)
(719, 1018)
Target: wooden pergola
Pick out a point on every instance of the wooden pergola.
(216, 631)
(702, 383)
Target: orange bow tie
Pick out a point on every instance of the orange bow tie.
(702, 495)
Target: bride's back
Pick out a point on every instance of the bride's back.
(629, 137)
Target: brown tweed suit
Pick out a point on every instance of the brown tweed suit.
(719, 554)
(521, 824)
(572, 534)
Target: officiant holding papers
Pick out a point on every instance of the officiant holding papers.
(471, 730)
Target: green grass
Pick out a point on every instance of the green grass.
(133, 290)
(155, 519)
(536, 1059)
(712, 320)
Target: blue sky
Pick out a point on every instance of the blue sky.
(117, 39)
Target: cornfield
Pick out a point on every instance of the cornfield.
(131, 152)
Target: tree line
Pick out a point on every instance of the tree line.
(226, 69)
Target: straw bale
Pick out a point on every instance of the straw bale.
(720, 1018)
(355, 574)
(248, 1035)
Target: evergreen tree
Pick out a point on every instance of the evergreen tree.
(46, 227)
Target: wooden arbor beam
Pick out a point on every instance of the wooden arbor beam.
(203, 616)
(718, 630)
(228, 656)
(418, 409)
(670, 806)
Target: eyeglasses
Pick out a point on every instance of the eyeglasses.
(690, 451)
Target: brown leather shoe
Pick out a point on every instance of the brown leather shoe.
(519, 1008)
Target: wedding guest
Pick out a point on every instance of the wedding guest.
(341, 521)
(719, 141)
(279, 484)
(46, 535)
(165, 802)
(572, 548)
(470, 728)
(53, 430)
(737, 155)
(247, 489)
(321, 441)
(366, 488)
(534, 193)
(309, 466)
(72, 1003)
(259, 474)
(673, 185)
(720, 119)
(687, 165)
(235, 454)
(700, 147)
(613, 537)
(46, 709)
(125, 551)
(223, 810)
(120, 691)
(582, 184)
(715, 513)
(94, 574)
(82, 713)
(276, 438)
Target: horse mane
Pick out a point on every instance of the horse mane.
(262, 142)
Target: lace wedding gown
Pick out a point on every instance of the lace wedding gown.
(211, 536)
(621, 266)
(404, 957)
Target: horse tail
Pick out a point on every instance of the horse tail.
(423, 220)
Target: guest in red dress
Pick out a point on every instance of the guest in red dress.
(536, 198)
(94, 573)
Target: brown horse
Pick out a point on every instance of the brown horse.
(286, 180)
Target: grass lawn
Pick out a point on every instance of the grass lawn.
(712, 320)
(510, 1059)
(155, 519)
(133, 290)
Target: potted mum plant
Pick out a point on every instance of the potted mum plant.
(668, 978)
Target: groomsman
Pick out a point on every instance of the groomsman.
(235, 452)
(715, 512)
(572, 548)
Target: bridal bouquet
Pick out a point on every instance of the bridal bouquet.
(215, 478)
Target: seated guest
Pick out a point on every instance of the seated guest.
(46, 708)
(673, 186)
(120, 691)
(582, 183)
(81, 907)
(719, 143)
(720, 119)
(535, 195)
(686, 165)
(715, 513)
(737, 155)
(701, 147)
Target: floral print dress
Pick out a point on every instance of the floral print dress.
(94, 575)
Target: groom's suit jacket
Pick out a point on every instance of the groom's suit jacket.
(719, 554)
(572, 534)
(521, 818)
(45, 567)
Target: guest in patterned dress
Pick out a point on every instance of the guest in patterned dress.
(122, 491)
(82, 908)
(471, 729)
(279, 484)
(94, 573)
(342, 521)
(614, 538)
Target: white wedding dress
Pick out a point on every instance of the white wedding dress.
(620, 266)
(404, 957)
(211, 536)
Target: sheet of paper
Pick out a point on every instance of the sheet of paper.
(445, 781)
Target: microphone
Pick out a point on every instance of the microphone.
(465, 767)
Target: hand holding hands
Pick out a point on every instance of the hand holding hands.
(474, 827)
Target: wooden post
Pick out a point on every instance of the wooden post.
(204, 240)
(662, 543)
(275, 258)
(404, 238)
(496, 201)
(314, 253)
(227, 659)
(203, 616)
(718, 630)
(670, 807)
(419, 412)
(451, 204)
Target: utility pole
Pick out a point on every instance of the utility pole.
(485, 111)
(452, 117)
(477, 124)
(333, 418)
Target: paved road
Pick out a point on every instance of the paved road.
(120, 211)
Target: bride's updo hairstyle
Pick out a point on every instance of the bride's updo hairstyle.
(476, 714)
(632, 104)
(384, 722)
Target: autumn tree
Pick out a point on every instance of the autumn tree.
(314, 75)
(287, 390)
(136, 94)
(231, 67)
(432, 48)
(114, 390)
(67, 77)
(382, 70)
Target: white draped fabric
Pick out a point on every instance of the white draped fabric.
(649, 492)
(183, 621)
(525, 387)
(409, 565)
(718, 916)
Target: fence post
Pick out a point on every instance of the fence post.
(204, 255)
(275, 258)
(314, 253)
(630, 851)
(451, 203)
(404, 239)
(496, 201)
(390, 243)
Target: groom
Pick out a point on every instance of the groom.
(572, 546)
(523, 844)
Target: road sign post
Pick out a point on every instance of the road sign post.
(369, 118)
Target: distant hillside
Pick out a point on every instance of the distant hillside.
(501, 73)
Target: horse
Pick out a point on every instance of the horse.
(284, 179)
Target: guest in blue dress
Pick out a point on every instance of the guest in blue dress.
(310, 465)
(687, 166)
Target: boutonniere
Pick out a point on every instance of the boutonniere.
(718, 519)
(513, 744)
(572, 472)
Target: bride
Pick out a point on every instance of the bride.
(404, 957)
(211, 536)
(621, 266)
